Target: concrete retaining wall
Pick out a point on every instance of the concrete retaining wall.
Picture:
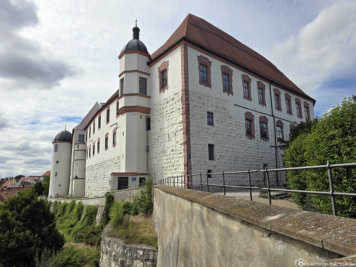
(115, 253)
(205, 229)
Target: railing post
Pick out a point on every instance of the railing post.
(331, 186)
(201, 183)
(249, 183)
(223, 176)
(207, 181)
(268, 189)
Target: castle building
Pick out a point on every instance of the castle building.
(203, 102)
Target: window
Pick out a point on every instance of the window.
(117, 108)
(211, 152)
(226, 82)
(163, 76)
(148, 124)
(277, 99)
(107, 115)
(89, 132)
(57, 162)
(81, 138)
(208, 175)
(226, 75)
(122, 86)
(248, 124)
(203, 73)
(279, 133)
(93, 149)
(163, 79)
(90, 151)
(55, 174)
(210, 118)
(99, 122)
(143, 86)
(263, 128)
(94, 127)
(288, 107)
(279, 130)
(306, 112)
(56, 148)
(142, 181)
(299, 110)
(246, 90)
(260, 96)
(106, 141)
(261, 93)
(204, 65)
(114, 139)
(98, 147)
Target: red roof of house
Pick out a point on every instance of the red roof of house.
(208, 37)
(47, 173)
(29, 178)
(10, 192)
(8, 182)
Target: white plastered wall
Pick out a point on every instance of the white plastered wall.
(233, 150)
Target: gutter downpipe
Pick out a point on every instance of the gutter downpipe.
(274, 132)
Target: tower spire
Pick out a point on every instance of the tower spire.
(136, 31)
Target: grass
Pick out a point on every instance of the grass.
(91, 254)
(136, 230)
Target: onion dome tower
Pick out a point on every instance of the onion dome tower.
(135, 102)
(60, 167)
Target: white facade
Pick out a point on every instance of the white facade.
(60, 169)
(160, 130)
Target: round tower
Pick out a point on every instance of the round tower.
(60, 167)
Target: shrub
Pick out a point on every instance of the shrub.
(109, 201)
(117, 214)
(68, 256)
(90, 235)
(27, 228)
(88, 219)
(333, 139)
(145, 199)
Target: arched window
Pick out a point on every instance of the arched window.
(56, 148)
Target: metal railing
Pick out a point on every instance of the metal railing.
(186, 182)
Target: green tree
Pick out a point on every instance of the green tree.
(18, 177)
(45, 185)
(332, 139)
(27, 228)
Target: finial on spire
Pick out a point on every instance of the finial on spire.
(136, 31)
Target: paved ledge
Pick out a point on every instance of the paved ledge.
(333, 233)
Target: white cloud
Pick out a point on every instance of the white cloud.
(323, 50)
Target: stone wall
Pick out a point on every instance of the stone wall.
(98, 177)
(215, 230)
(115, 253)
(165, 139)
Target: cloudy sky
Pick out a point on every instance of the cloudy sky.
(58, 57)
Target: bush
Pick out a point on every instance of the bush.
(90, 235)
(117, 214)
(109, 201)
(145, 199)
(88, 219)
(27, 228)
(333, 139)
(68, 256)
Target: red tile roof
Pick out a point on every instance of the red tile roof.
(10, 192)
(208, 37)
(47, 173)
(9, 182)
